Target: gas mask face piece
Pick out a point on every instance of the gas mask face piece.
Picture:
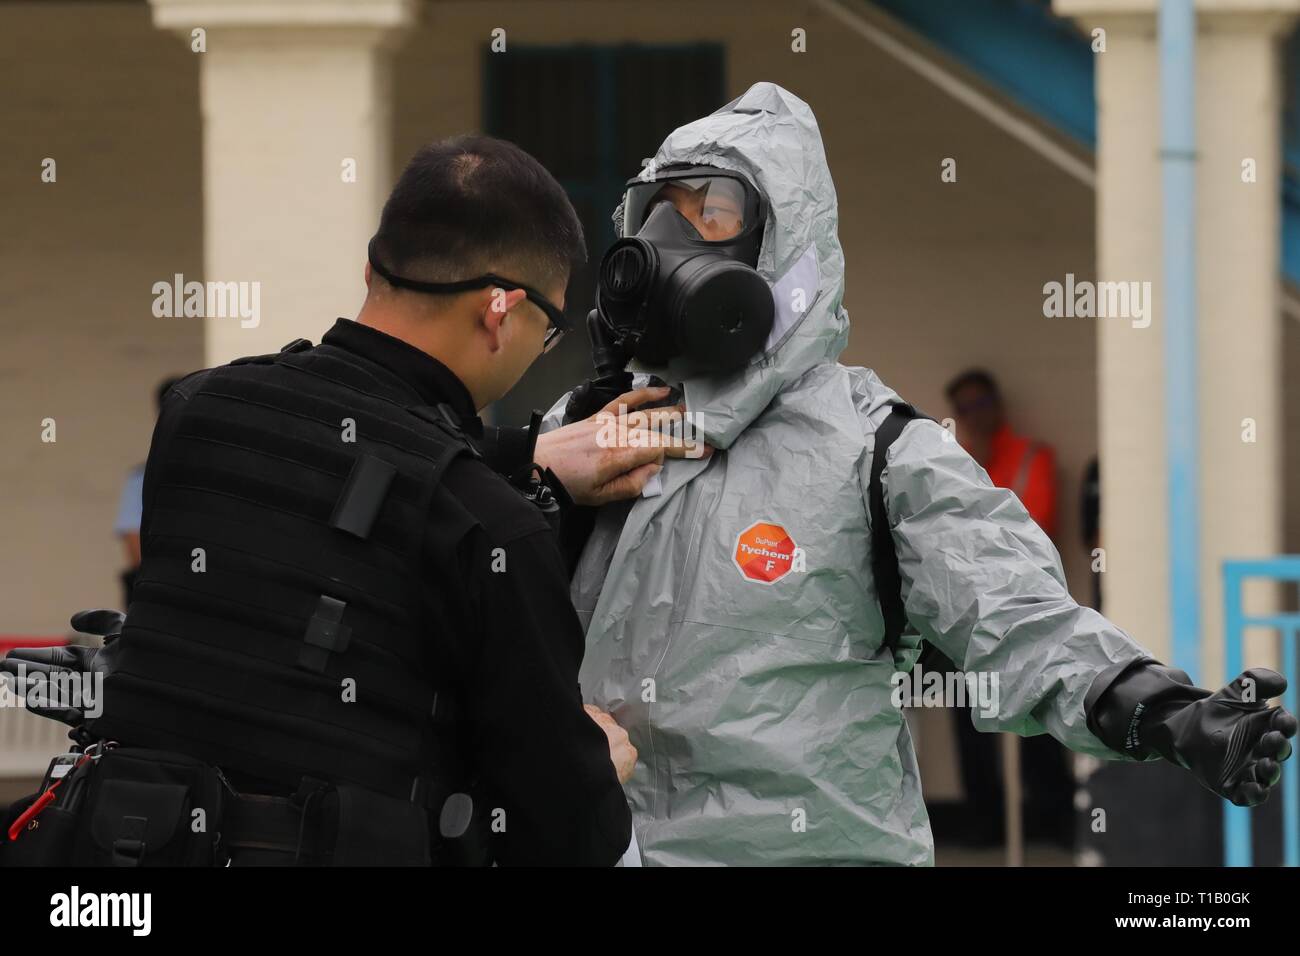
(681, 282)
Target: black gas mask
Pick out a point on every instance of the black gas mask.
(681, 282)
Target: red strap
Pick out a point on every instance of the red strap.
(40, 803)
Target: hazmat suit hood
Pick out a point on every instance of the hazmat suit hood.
(770, 136)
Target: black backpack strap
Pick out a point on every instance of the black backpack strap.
(884, 557)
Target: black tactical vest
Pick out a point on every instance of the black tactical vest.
(276, 626)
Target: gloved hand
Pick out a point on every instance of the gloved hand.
(43, 673)
(1230, 740)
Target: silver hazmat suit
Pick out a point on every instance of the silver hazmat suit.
(753, 681)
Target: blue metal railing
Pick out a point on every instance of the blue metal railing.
(1236, 820)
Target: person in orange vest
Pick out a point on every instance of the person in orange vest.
(1012, 461)
(1028, 468)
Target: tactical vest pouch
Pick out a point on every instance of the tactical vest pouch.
(376, 830)
(45, 841)
(150, 808)
(44, 824)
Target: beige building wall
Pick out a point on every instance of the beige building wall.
(115, 103)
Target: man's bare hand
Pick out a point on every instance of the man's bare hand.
(596, 471)
(621, 752)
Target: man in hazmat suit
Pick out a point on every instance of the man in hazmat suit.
(734, 620)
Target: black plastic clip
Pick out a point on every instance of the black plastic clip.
(128, 849)
(326, 635)
(363, 495)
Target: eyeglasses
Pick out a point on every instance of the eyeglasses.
(559, 324)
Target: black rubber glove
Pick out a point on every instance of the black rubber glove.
(33, 668)
(1230, 740)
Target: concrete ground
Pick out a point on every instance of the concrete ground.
(1036, 854)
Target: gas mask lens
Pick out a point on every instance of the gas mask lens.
(682, 280)
(717, 207)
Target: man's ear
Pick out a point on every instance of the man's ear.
(496, 305)
(367, 274)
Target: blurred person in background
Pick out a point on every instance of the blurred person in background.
(1022, 465)
(129, 505)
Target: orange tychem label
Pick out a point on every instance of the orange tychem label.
(764, 553)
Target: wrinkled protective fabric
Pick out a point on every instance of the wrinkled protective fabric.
(763, 712)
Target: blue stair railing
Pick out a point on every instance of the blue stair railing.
(1236, 820)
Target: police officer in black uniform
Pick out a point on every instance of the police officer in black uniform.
(342, 610)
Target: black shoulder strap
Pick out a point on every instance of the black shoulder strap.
(445, 419)
(884, 557)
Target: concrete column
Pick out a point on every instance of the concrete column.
(296, 134)
(1239, 116)
(1130, 360)
(1239, 112)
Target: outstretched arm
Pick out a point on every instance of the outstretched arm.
(984, 584)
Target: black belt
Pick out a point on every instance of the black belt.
(263, 829)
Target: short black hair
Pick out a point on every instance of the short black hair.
(470, 203)
(973, 376)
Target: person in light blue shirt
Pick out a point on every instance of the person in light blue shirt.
(129, 505)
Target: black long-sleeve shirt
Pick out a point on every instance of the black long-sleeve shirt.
(504, 636)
